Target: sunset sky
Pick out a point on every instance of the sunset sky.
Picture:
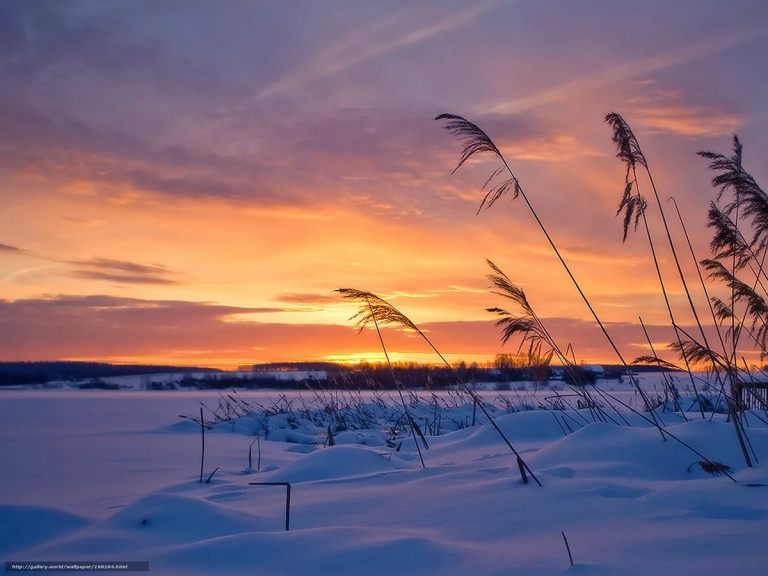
(187, 182)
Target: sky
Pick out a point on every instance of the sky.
(188, 182)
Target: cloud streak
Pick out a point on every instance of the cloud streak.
(696, 50)
(122, 272)
(691, 121)
(377, 39)
(107, 327)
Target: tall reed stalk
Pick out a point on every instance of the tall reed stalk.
(700, 275)
(374, 310)
(748, 203)
(527, 324)
(202, 448)
(476, 141)
(629, 151)
(378, 311)
(531, 327)
(633, 205)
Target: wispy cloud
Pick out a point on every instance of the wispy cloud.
(7, 248)
(359, 46)
(687, 121)
(122, 272)
(304, 299)
(641, 66)
(108, 327)
(555, 148)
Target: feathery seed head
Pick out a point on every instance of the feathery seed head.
(374, 310)
(476, 141)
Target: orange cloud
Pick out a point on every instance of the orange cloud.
(687, 121)
(122, 329)
(556, 148)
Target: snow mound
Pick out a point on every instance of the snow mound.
(25, 526)
(158, 520)
(333, 463)
(531, 426)
(363, 438)
(336, 550)
(611, 451)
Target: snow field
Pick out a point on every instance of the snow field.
(114, 477)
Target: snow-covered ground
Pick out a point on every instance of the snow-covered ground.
(113, 476)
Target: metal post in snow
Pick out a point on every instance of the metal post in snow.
(287, 498)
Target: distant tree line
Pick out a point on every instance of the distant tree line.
(23, 373)
(363, 376)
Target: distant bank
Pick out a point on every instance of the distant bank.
(298, 374)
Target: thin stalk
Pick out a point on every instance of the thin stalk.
(669, 388)
(202, 451)
(480, 404)
(380, 309)
(399, 389)
(666, 431)
(734, 336)
(640, 203)
(701, 277)
(677, 260)
(478, 141)
(568, 548)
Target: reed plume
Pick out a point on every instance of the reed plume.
(632, 204)
(747, 204)
(747, 196)
(475, 141)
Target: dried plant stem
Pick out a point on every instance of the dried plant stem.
(480, 404)
(568, 548)
(706, 294)
(667, 385)
(476, 141)
(677, 260)
(376, 310)
(202, 438)
(698, 270)
(211, 476)
(634, 206)
(411, 422)
(661, 279)
(665, 431)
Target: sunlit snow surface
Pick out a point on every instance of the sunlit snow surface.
(113, 476)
